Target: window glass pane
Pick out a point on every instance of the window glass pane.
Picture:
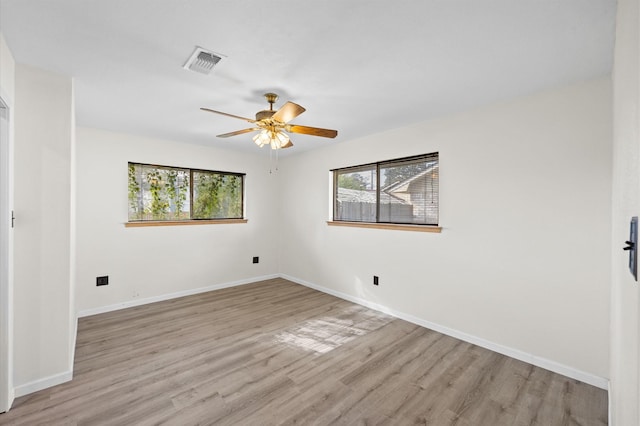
(158, 193)
(154, 198)
(177, 189)
(136, 208)
(356, 198)
(409, 191)
(217, 195)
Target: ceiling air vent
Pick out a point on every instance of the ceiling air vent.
(202, 61)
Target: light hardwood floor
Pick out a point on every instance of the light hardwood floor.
(274, 352)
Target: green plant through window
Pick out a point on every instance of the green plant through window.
(159, 193)
(134, 194)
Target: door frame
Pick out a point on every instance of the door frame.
(6, 254)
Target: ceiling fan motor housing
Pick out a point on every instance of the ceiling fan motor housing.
(264, 114)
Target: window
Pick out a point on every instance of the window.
(403, 191)
(161, 193)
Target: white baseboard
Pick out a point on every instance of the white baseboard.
(556, 367)
(162, 297)
(44, 383)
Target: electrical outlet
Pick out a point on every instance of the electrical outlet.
(256, 259)
(375, 280)
(102, 280)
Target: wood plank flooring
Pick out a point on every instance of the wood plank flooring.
(276, 353)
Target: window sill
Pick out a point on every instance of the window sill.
(142, 224)
(394, 226)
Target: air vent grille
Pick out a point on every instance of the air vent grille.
(202, 61)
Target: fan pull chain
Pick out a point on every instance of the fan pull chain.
(271, 160)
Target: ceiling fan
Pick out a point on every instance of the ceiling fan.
(273, 125)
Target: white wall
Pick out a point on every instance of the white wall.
(7, 70)
(43, 135)
(523, 260)
(625, 356)
(152, 262)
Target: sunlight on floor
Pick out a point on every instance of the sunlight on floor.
(324, 334)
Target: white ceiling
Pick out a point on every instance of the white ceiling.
(359, 66)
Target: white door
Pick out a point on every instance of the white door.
(6, 247)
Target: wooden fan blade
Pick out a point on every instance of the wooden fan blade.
(288, 112)
(288, 145)
(238, 132)
(313, 131)
(250, 120)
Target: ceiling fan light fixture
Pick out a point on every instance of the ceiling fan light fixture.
(279, 140)
(274, 138)
(262, 138)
